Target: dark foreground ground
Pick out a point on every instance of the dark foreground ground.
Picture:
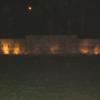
(49, 78)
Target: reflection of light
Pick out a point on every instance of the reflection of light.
(97, 50)
(54, 49)
(5, 48)
(84, 50)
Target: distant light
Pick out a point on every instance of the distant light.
(97, 50)
(84, 50)
(16, 51)
(5, 48)
(30, 8)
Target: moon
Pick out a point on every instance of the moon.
(30, 8)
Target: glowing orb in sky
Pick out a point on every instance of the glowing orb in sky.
(30, 8)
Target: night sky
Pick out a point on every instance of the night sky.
(49, 77)
(49, 17)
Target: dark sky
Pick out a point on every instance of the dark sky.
(49, 17)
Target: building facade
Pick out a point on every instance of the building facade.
(50, 44)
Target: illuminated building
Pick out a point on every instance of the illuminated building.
(49, 44)
(11, 46)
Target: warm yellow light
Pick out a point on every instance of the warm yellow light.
(97, 50)
(5, 48)
(84, 50)
(16, 49)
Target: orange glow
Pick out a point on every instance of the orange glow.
(16, 50)
(84, 50)
(5, 48)
(97, 50)
(54, 49)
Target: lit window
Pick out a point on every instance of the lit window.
(97, 50)
(16, 49)
(5, 48)
(84, 50)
